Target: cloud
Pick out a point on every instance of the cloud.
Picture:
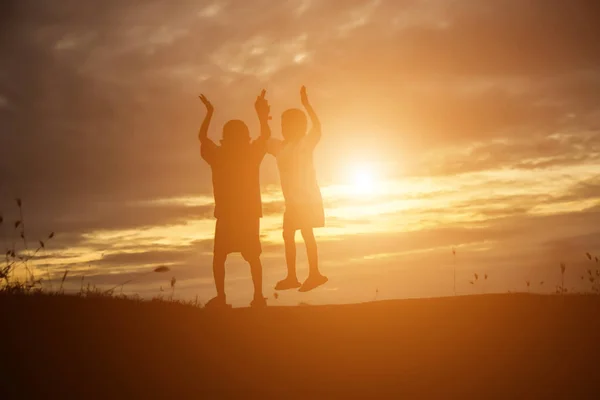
(143, 258)
(529, 151)
(119, 81)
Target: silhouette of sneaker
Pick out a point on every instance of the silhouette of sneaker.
(259, 302)
(312, 282)
(288, 283)
(217, 302)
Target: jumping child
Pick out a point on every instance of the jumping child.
(303, 201)
(235, 166)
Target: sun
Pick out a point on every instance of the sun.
(362, 178)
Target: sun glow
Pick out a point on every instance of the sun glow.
(363, 179)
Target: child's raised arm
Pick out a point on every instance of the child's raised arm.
(263, 109)
(207, 147)
(315, 131)
(203, 133)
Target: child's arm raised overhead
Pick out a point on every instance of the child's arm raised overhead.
(207, 146)
(265, 142)
(263, 109)
(203, 133)
(314, 134)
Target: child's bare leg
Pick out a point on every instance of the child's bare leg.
(219, 276)
(219, 273)
(315, 279)
(291, 280)
(311, 251)
(256, 271)
(289, 238)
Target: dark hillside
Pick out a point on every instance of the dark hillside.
(493, 346)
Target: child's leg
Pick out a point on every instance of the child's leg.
(315, 279)
(220, 300)
(289, 238)
(219, 273)
(311, 251)
(291, 280)
(256, 271)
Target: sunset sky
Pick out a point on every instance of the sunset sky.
(463, 124)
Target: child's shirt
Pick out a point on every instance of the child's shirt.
(296, 170)
(235, 177)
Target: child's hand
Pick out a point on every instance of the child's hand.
(304, 97)
(207, 104)
(262, 107)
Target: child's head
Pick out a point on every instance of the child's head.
(293, 124)
(235, 132)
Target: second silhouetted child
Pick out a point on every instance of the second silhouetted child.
(303, 201)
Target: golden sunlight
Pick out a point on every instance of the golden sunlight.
(363, 178)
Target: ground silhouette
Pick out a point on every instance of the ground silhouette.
(492, 346)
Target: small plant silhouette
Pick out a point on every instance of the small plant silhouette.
(15, 258)
(62, 281)
(593, 275)
(476, 279)
(173, 282)
(454, 267)
(563, 268)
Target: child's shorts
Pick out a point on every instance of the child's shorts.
(233, 236)
(303, 216)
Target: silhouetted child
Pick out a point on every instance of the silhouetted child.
(235, 175)
(303, 201)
